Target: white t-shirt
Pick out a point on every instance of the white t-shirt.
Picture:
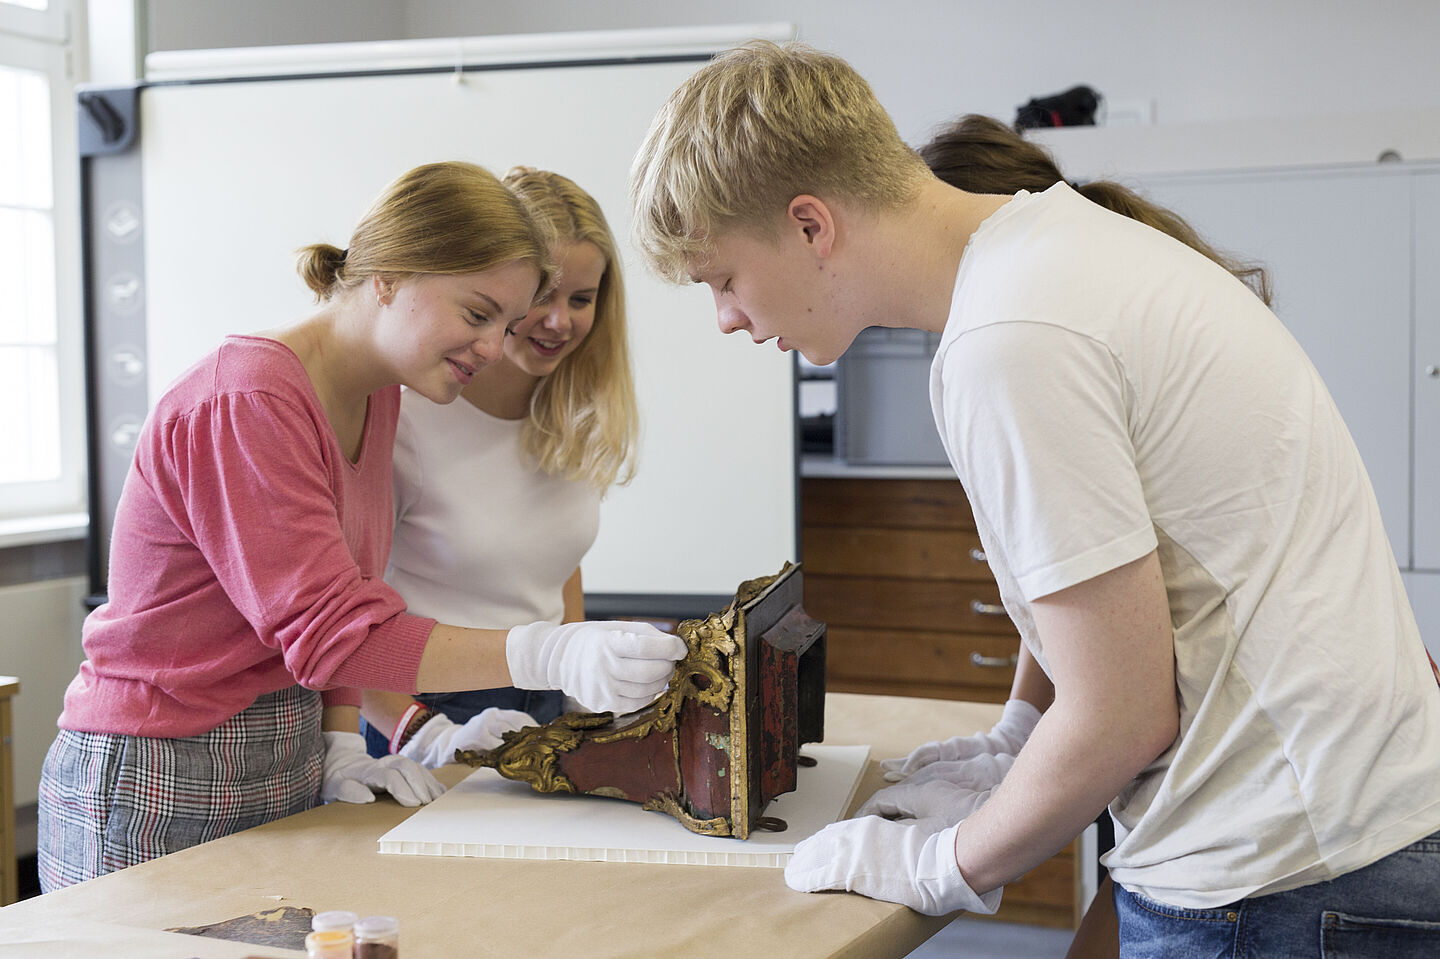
(1104, 391)
(483, 538)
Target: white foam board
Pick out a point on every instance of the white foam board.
(488, 816)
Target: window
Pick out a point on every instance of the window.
(42, 468)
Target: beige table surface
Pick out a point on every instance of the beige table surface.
(327, 858)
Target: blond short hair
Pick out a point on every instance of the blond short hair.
(749, 131)
(583, 421)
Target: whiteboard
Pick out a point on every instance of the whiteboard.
(238, 175)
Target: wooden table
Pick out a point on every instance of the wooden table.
(9, 885)
(327, 858)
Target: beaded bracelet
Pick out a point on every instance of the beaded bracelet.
(415, 716)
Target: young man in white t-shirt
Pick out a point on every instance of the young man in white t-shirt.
(1179, 522)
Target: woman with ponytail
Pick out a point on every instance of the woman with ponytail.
(979, 154)
(246, 608)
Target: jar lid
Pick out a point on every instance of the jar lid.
(377, 926)
(333, 919)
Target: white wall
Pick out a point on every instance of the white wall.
(202, 24)
(932, 59)
(41, 645)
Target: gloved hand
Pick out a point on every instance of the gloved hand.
(1016, 724)
(607, 666)
(352, 776)
(948, 791)
(434, 743)
(912, 863)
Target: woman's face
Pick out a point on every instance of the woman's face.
(436, 329)
(556, 327)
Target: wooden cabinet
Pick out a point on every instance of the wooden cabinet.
(895, 570)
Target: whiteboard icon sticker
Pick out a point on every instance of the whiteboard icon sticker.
(122, 222)
(125, 364)
(122, 292)
(124, 433)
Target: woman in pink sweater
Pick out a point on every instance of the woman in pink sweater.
(246, 606)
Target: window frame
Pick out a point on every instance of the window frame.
(42, 41)
(51, 23)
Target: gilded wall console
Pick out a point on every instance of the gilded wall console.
(720, 742)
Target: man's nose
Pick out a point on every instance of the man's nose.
(731, 319)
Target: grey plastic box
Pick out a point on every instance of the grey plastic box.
(882, 414)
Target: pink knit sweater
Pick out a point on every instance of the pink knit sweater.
(247, 556)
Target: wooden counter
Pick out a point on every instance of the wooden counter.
(327, 858)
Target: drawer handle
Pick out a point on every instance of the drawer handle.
(986, 609)
(995, 662)
(977, 555)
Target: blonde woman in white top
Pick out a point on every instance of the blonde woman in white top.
(545, 431)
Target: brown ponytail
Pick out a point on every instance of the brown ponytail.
(320, 266)
(979, 154)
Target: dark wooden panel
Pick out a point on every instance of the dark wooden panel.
(953, 554)
(906, 604)
(917, 504)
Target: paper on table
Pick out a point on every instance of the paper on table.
(488, 816)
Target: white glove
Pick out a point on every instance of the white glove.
(351, 775)
(912, 863)
(948, 791)
(613, 667)
(434, 744)
(1016, 724)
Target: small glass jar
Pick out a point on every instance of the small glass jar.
(330, 944)
(377, 937)
(331, 935)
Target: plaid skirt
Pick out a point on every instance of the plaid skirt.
(108, 801)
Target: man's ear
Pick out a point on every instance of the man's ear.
(815, 221)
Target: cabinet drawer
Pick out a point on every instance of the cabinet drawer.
(935, 605)
(953, 554)
(905, 656)
(1046, 895)
(914, 504)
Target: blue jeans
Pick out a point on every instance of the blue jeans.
(1390, 909)
(543, 705)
